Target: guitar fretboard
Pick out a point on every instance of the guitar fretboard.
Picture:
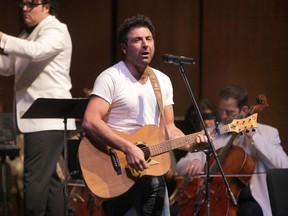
(169, 145)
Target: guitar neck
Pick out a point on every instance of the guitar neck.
(169, 145)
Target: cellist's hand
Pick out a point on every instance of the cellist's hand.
(195, 167)
(171, 174)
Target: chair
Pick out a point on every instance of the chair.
(277, 182)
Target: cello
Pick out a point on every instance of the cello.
(238, 167)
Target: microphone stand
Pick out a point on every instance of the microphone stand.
(209, 151)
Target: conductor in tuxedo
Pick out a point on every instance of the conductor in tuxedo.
(40, 61)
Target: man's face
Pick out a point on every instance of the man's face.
(229, 110)
(34, 11)
(140, 46)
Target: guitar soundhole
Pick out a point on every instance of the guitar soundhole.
(146, 151)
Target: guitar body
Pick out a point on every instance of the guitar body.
(98, 171)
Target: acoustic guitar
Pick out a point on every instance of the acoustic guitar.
(106, 172)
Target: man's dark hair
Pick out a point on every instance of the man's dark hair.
(132, 22)
(53, 6)
(236, 92)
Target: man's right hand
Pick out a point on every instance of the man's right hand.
(135, 158)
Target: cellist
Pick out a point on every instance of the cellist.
(263, 144)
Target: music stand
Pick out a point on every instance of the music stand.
(59, 108)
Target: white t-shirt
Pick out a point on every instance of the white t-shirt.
(133, 104)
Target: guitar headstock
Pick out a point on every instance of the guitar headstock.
(239, 125)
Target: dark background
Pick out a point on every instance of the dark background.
(233, 41)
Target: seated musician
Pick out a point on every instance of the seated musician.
(209, 114)
(263, 144)
(191, 125)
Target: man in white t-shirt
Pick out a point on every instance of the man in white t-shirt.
(123, 99)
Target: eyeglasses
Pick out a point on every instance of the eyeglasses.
(29, 4)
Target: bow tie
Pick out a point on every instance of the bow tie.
(29, 29)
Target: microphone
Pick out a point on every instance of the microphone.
(167, 58)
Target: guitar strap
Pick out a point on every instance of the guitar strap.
(158, 94)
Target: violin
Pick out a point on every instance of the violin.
(234, 161)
